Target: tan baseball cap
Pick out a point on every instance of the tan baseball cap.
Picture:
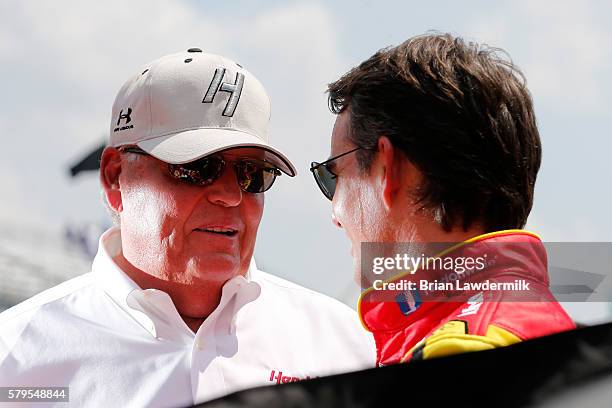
(191, 104)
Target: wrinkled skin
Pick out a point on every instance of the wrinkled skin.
(162, 219)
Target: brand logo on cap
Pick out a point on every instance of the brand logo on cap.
(124, 116)
(235, 89)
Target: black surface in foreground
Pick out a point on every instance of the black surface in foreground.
(567, 369)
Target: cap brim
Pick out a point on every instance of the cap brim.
(191, 145)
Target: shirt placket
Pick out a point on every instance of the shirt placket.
(208, 379)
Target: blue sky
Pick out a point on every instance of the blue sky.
(62, 63)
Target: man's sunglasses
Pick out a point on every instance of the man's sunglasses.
(254, 176)
(325, 178)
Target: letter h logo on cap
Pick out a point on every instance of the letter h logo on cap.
(234, 89)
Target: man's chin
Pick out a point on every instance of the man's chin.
(216, 267)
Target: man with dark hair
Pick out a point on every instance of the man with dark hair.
(436, 142)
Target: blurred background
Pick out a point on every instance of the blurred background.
(62, 62)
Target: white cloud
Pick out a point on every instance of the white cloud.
(74, 55)
(14, 204)
(300, 39)
(95, 44)
(573, 229)
(562, 46)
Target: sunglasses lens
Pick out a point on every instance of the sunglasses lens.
(201, 172)
(255, 176)
(325, 179)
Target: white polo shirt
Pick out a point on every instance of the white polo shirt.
(114, 344)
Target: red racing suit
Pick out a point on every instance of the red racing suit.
(482, 319)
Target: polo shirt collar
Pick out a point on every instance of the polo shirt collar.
(153, 309)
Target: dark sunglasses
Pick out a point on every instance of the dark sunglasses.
(325, 178)
(254, 176)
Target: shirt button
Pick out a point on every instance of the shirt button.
(200, 345)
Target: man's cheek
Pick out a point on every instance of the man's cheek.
(252, 211)
(164, 217)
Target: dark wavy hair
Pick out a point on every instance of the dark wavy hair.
(461, 112)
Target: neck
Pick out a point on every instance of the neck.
(428, 231)
(193, 323)
(194, 301)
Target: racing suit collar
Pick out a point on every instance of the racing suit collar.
(512, 248)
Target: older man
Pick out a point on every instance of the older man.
(175, 310)
(436, 142)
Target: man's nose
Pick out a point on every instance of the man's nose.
(225, 191)
(335, 220)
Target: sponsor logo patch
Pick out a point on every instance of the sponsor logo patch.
(278, 378)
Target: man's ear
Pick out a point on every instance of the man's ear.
(110, 169)
(391, 171)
